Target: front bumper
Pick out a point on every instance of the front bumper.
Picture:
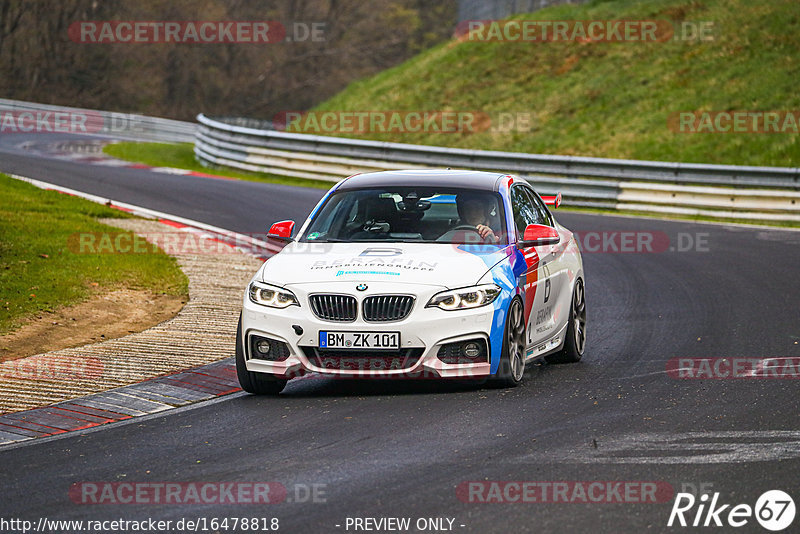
(422, 333)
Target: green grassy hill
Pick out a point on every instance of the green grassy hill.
(610, 99)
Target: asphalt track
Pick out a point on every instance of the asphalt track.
(401, 448)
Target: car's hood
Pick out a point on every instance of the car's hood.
(445, 265)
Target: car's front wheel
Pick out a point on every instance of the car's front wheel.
(512, 361)
(255, 383)
(575, 342)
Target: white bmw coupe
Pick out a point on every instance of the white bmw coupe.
(415, 274)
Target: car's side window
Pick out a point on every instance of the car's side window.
(544, 214)
(525, 212)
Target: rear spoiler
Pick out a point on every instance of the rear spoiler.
(554, 201)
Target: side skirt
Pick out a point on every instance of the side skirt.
(552, 344)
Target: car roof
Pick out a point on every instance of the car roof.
(486, 181)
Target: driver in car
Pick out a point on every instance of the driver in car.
(475, 210)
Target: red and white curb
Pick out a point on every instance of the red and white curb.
(149, 396)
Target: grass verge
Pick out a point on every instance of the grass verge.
(39, 271)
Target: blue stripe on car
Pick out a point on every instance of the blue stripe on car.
(507, 267)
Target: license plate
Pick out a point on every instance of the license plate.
(359, 340)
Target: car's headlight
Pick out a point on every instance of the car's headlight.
(468, 297)
(271, 296)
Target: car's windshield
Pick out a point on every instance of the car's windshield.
(413, 214)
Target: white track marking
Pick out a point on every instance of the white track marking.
(702, 447)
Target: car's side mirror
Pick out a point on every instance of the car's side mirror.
(282, 230)
(539, 234)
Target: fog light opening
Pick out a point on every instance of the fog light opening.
(466, 352)
(472, 350)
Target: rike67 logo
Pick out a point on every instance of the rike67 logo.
(774, 510)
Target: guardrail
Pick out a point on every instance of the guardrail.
(723, 191)
(93, 122)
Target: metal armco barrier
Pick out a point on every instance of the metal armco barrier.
(724, 191)
(34, 117)
(721, 191)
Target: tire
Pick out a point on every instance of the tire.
(512, 361)
(255, 383)
(575, 342)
